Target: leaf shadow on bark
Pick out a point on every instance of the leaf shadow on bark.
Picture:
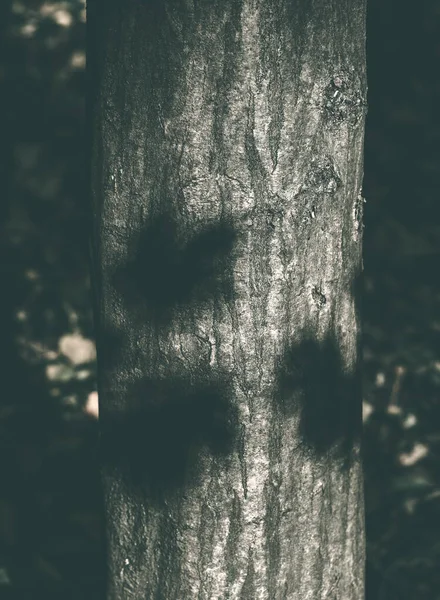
(109, 343)
(313, 381)
(167, 275)
(157, 444)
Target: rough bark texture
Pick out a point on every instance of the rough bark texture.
(226, 183)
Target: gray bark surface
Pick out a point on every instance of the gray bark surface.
(226, 173)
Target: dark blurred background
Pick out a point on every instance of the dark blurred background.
(51, 539)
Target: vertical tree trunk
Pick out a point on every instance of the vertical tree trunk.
(226, 182)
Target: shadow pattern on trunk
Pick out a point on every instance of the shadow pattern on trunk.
(311, 379)
(167, 274)
(157, 444)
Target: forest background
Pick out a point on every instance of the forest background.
(51, 530)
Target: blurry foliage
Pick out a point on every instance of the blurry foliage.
(50, 511)
(402, 301)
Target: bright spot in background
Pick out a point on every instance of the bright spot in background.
(408, 459)
(29, 29)
(92, 405)
(410, 421)
(367, 409)
(77, 348)
(380, 379)
(63, 18)
(58, 12)
(78, 60)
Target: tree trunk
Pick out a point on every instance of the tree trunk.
(226, 183)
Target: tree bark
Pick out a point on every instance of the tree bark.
(226, 172)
